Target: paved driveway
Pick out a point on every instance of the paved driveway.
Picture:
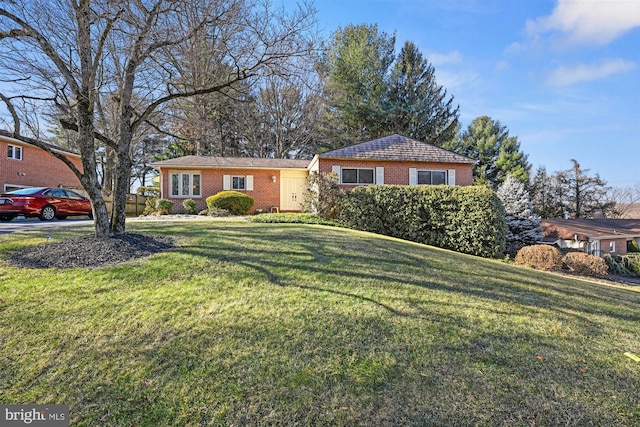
(34, 223)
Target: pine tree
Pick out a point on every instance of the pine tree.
(498, 154)
(523, 223)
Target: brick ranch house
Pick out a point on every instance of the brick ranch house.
(279, 184)
(594, 236)
(25, 165)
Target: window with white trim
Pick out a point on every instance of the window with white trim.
(612, 246)
(427, 177)
(14, 152)
(185, 184)
(238, 182)
(357, 176)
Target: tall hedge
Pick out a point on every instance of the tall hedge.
(465, 219)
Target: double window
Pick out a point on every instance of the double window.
(432, 177)
(14, 152)
(357, 176)
(186, 184)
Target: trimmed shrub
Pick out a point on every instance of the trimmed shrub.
(164, 207)
(156, 206)
(235, 202)
(190, 207)
(540, 257)
(464, 219)
(585, 264)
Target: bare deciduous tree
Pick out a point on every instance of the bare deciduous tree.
(78, 55)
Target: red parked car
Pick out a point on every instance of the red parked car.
(45, 203)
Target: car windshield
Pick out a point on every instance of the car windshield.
(24, 191)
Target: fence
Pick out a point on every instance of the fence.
(135, 204)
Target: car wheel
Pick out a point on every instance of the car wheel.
(47, 213)
(6, 218)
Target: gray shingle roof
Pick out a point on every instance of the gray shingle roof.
(589, 228)
(232, 162)
(397, 147)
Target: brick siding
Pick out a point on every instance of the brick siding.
(266, 193)
(396, 172)
(36, 169)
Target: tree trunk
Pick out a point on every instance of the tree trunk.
(89, 178)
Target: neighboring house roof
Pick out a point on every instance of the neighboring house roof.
(206, 162)
(32, 141)
(397, 147)
(589, 229)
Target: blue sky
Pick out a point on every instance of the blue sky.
(563, 76)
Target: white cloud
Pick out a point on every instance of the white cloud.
(502, 65)
(436, 59)
(568, 75)
(582, 22)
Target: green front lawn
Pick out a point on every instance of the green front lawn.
(291, 324)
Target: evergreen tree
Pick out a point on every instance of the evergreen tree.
(498, 154)
(358, 63)
(418, 107)
(544, 191)
(522, 222)
(585, 195)
(370, 92)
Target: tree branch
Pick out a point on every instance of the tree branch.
(14, 114)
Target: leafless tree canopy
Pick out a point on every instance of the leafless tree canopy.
(105, 68)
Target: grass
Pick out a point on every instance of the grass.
(289, 324)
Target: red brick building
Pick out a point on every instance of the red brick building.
(280, 183)
(25, 165)
(599, 236)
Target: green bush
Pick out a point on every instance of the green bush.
(235, 202)
(623, 265)
(322, 195)
(632, 262)
(163, 207)
(149, 206)
(585, 264)
(540, 257)
(217, 212)
(465, 219)
(190, 207)
(617, 265)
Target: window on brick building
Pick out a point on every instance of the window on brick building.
(14, 152)
(185, 184)
(432, 177)
(357, 176)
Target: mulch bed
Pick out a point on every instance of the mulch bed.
(89, 251)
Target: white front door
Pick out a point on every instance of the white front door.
(292, 188)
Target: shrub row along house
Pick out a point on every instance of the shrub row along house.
(279, 184)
